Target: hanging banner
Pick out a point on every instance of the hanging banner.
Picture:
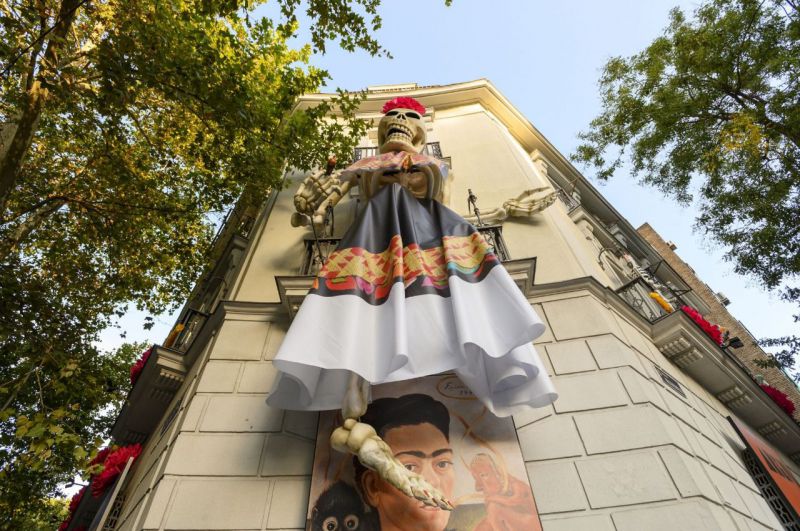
(437, 428)
(773, 462)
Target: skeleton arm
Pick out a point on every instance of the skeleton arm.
(525, 204)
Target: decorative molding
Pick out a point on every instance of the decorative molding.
(292, 290)
(734, 397)
(161, 378)
(522, 271)
(772, 430)
(679, 349)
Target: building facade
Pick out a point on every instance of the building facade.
(749, 353)
(639, 437)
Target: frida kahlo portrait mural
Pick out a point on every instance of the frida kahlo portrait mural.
(439, 430)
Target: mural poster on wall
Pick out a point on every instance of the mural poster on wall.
(773, 462)
(437, 428)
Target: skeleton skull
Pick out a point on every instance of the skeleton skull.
(401, 130)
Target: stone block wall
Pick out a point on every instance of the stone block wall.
(228, 461)
(618, 450)
(719, 315)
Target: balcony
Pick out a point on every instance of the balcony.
(684, 343)
(434, 149)
(637, 294)
(317, 251)
(570, 202)
(150, 397)
(185, 331)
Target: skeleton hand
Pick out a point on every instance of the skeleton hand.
(317, 191)
(361, 440)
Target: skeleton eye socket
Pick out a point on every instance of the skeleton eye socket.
(413, 115)
(351, 522)
(391, 113)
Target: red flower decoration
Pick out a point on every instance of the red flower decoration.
(779, 398)
(76, 500)
(711, 330)
(403, 102)
(113, 466)
(138, 367)
(100, 458)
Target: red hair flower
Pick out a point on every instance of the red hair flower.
(403, 102)
(113, 466)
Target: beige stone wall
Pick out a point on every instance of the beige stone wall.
(719, 315)
(618, 450)
(228, 461)
(621, 450)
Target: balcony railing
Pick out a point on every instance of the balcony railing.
(493, 234)
(434, 149)
(567, 199)
(317, 251)
(637, 294)
(186, 330)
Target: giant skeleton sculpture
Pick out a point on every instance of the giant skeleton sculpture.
(412, 290)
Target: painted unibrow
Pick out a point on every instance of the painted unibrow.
(423, 455)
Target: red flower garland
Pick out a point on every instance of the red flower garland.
(711, 330)
(73, 506)
(76, 499)
(779, 398)
(113, 463)
(100, 458)
(138, 367)
(403, 102)
(112, 467)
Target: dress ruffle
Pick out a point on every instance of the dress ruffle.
(436, 301)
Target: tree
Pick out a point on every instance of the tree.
(711, 110)
(125, 128)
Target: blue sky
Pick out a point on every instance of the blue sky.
(545, 57)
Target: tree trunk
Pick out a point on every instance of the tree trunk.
(35, 99)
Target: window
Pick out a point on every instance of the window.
(774, 498)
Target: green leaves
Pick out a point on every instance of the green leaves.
(712, 108)
(158, 116)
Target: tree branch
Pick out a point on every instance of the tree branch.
(10, 243)
(34, 101)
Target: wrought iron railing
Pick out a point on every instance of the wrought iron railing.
(434, 149)
(493, 234)
(638, 294)
(317, 251)
(186, 330)
(567, 199)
